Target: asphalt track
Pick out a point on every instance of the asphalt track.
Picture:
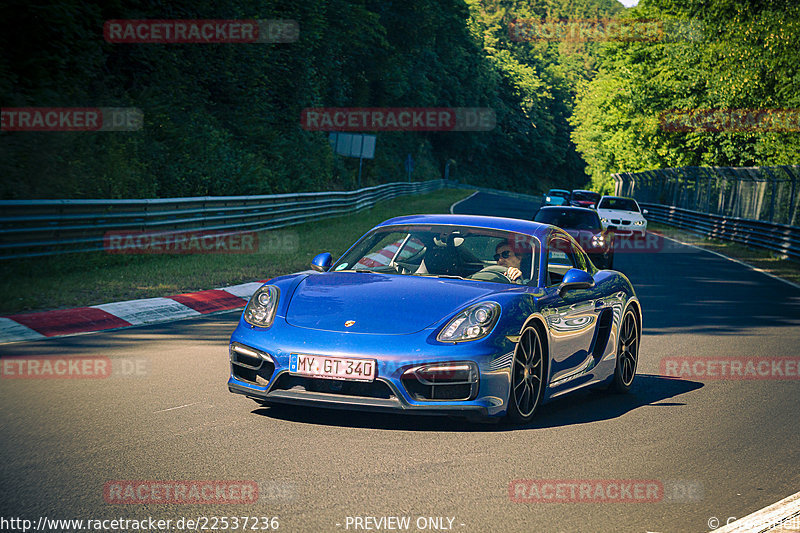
(720, 448)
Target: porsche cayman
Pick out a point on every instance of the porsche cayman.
(473, 316)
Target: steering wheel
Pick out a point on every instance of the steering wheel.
(495, 273)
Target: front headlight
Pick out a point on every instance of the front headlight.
(548, 198)
(604, 220)
(471, 324)
(598, 240)
(639, 223)
(260, 310)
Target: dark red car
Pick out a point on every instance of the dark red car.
(585, 227)
(581, 198)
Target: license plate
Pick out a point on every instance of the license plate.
(332, 367)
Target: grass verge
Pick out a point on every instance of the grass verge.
(771, 262)
(76, 280)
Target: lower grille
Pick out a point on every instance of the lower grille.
(420, 391)
(372, 389)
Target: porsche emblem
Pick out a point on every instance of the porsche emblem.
(349, 323)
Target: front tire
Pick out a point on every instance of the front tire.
(627, 353)
(527, 377)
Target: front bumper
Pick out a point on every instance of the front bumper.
(628, 229)
(396, 403)
(394, 354)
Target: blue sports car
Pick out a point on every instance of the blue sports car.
(465, 315)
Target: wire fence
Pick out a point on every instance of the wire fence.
(770, 194)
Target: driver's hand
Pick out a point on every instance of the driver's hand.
(513, 273)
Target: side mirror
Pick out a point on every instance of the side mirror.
(322, 262)
(644, 211)
(575, 278)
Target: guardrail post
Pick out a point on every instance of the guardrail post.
(793, 198)
(675, 188)
(696, 188)
(774, 181)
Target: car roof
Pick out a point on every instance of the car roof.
(566, 207)
(584, 190)
(516, 225)
(558, 190)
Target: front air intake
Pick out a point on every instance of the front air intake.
(249, 364)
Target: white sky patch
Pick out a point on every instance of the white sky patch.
(629, 3)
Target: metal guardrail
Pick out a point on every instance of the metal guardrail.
(776, 237)
(34, 228)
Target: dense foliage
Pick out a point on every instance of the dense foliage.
(722, 54)
(225, 118)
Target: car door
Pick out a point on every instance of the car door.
(571, 319)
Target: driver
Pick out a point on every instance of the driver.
(505, 256)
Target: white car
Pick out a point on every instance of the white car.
(622, 213)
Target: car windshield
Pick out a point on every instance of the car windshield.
(560, 194)
(569, 218)
(619, 204)
(585, 196)
(444, 251)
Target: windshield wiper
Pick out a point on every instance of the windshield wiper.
(446, 276)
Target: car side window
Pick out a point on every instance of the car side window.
(581, 261)
(560, 258)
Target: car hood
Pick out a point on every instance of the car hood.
(379, 303)
(622, 215)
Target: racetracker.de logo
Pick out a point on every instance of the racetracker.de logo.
(398, 119)
(180, 492)
(585, 491)
(95, 367)
(732, 368)
(200, 31)
(56, 367)
(71, 119)
(187, 242)
(730, 120)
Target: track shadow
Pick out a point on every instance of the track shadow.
(702, 293)
(647, 390)
(580, 408)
